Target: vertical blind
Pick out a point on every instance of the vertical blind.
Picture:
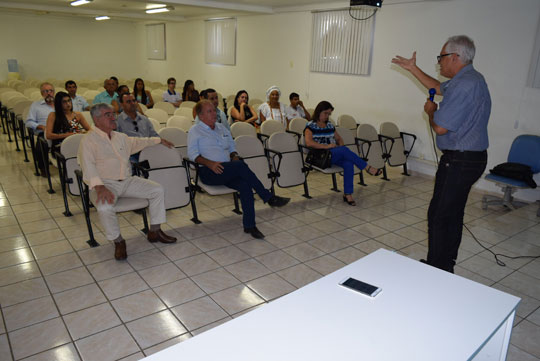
(221, 41)
(341, 44)
(155, 42)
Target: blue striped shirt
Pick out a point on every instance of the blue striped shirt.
(464, 112)
(322, 135)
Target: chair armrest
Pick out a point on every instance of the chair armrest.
(408, 151)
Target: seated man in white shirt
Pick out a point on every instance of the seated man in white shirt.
(79, 102)
(104, 159)
(171, 96)
(296, 109)
(212, 95)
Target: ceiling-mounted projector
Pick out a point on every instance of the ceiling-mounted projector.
(376, 3)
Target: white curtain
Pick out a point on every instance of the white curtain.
(221, 41)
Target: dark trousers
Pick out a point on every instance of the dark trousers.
(238, 176)
(40, 153)
(456, 174)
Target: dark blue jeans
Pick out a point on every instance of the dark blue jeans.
(456, 174)
(347, 159)
(238, 176)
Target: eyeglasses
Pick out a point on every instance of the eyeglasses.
(439, 57)
(136, 127)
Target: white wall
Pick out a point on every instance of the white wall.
(275, 49)
(49, 46)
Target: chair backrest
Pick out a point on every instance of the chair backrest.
(157, 96)
(187, 104)
(168, 107)
(69, 148)
(29, 91)
(298, 125)
(242, 128)
(158, 114)
(20, 107)
(157, 126)
(5, 96)
(180, 121)
(167, 169)
(291, 164)
(35, 96)
(347, 121)
(176, 136)
(88, 117)
(252, 150)
(271, 126)
(526, 150)
(90, 94)
(374, 153)
(397, 150)
(348, 138)
(255, 101)
(186, 112)
(230, 100)
(144, 108)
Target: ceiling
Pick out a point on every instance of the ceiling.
(134, 10)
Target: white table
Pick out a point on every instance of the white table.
(422, 314)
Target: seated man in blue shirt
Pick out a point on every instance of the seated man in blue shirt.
(79, 102)
(109, 94)
(211, 144)
(212, 95)
(461, 126)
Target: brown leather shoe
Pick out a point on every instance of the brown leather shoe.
(160, 236)
(120, 252)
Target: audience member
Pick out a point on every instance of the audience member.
(123, 89)
(189, 93)
(171, 96)
(109, 94)
(212, 95)
(296, 109)
(211, 145)
(320, 133)
(131, 122)
(242, 111)
(142, 95)
(273, 109)
(115, 80)
(104, 159)
(64, 122)
(79, 102)
(37, 119)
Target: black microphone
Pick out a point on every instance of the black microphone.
(432, 93)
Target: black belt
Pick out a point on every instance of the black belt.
(463, 152)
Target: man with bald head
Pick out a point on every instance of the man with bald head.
(109, 94)
(461, 127)
(210, 144)
(104, 159)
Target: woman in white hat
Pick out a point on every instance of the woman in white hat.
(273, 109)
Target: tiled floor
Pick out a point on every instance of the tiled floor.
(61, 300)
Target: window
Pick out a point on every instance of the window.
(155, 41)
(341, 44)
(221, 41)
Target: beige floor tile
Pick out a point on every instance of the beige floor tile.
(29, 312)
(199, 313)
(248, 270)
(197, 264)
(277, 260)
(486, 268)
(147, 259)
(8, 221)
(111, 345)
(304, 252)
(325, 264)
(180, 250)
(371, 245)
(515, 354)
(327, 244)
(526, 336)
(11, 244)
(370, 230)
(98, 254)
(156, 328)
(179, 292)
(236, 299)
(51, 235)
(228, 255)
(535, 317)
(299, 275)
(38, 338)
(39, 226)
(123, 285)
(91, 320)
(349, 236)
(5, 351)
(348, 255)
(526, 306)
(59, 263)
(235, 236)
(20, 209)
(79, 298)
(211, 326)
(415, 251)
(195, 231)
(10, 231)
(306, 233)
(256, 247)
(210, 242)
(52, 249)
(523, 283)
(282, 239)
(66, 280)
(138, 305)
(19, 272)
(162, 346)
(270, 286)
(109, 269)
(162, 274)
(63, 353)
(17, 256)
(394, 241)
(215, 280)
(134, 357)
(23, 291)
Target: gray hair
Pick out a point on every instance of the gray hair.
(97, 109)
(462, 45)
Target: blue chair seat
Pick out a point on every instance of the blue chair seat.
(506, 181)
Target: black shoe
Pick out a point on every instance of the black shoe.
(255, 233)
(277, 201)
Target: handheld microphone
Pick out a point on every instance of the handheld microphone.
(432, 93)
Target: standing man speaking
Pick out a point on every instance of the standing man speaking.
(461, 127)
